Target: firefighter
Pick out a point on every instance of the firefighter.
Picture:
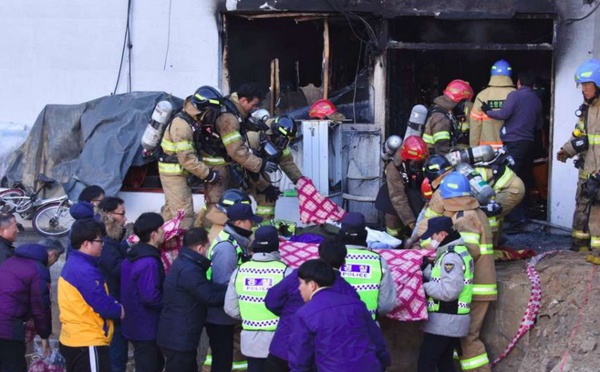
(180, 158)
(585, 144)
(442, 129)
(483, 129)
(218, 215)
(224, 144)
(275, 137)
(403, 173)
(473, 226)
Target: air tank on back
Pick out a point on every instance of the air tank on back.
(416, 122)
(479, 187)
(158, 121)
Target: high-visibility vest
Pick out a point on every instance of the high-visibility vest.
(253, 280)
(222, 237)
(363, 272)
(462, 305)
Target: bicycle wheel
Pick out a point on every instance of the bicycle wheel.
(52, 220)
(10, 199)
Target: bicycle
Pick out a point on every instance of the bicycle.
(49, 217)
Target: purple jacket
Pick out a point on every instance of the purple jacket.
(284, 299)
(522, 115)
(142, 276)
(25, 293)
(334, 332)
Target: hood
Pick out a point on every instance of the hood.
(461, 203)
(500, 81)
(236, 101)
(33, 251)
(81, 210)
(142, 250)
(445, 102)
(189, 108)
(114, 229)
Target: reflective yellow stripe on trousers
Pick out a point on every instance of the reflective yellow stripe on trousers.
(475, 362)
(578, 234)
(214, 161)
(485, 289)
(486, 249)
(171, 168)
(392, 232)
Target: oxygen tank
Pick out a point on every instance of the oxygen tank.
(479, 188)
(390, 146)
(416, 122)
(471, 155)
(158, 121)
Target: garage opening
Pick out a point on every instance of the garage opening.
(425, 54)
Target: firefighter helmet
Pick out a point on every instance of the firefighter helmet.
(231, 197)
(436, 166)
(501, 68)
(284, 130)
(206, 96)
(458, 90)
(426, 189)
(321, 109)
(588, 72)
(414, 148)
(454, 185)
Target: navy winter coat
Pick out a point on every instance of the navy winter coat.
(187, 295)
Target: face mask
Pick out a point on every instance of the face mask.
(434, 244)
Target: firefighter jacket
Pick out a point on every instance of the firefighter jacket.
(397, 191)
(590, 124)
(434, 208)
(473, 226)
(178, 140)
(228, 127)
(483, 129)
(286, 163)
(439, 126)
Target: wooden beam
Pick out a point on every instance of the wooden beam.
(325, 58)
(467, 46)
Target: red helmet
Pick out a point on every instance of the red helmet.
(321, 109)
(414, 148)
(458, 90)
(426, 189)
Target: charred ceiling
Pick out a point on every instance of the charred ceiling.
(454, 9)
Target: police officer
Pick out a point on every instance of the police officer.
(585, 144)
(366, 270)
(273, 141)
(483, 129)
(224, 143)
(218, 215)
(180, 156)
(245, 297)
(473, 226)
(227, 252)
(398, 198)
(442, 129)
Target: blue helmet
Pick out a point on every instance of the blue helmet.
(588, 72)
(501, 68)
(454, 185)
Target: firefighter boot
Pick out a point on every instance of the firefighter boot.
(580, 245)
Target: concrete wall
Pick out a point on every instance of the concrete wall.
(69, 51)
(576, 43)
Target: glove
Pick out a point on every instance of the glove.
(562, 156)
(268, 166)
(485, 107)
(271, 193)
(213, 177)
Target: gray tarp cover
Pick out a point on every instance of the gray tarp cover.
(93, 143)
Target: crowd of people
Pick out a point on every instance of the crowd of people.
(229, 282)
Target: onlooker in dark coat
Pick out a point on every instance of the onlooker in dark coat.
(284, 299)
(24, 295)
(8, 235)
(89, 199)
(187, 295)
(329, 322)
(111, 211)
(522, 115)
(142, 276)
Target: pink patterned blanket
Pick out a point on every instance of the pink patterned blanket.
(404, 265)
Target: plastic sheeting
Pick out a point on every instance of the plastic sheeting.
(93, 143)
